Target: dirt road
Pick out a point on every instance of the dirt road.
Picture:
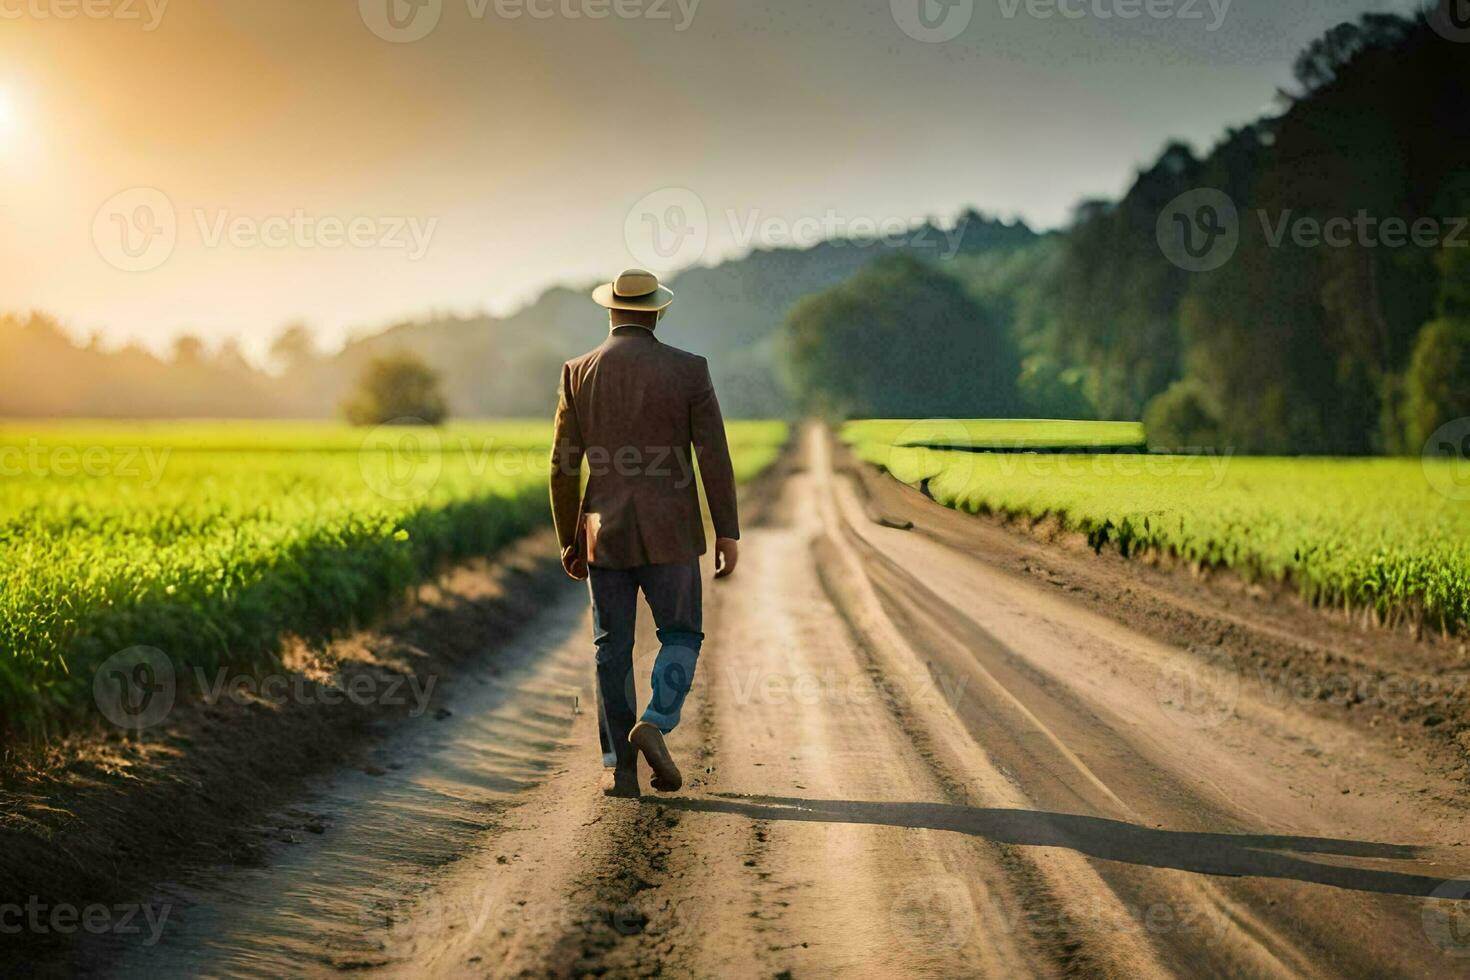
(902, 758)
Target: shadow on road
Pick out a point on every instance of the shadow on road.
(1235, 855)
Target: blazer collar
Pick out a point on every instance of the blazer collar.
(632, 330)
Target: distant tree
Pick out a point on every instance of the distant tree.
(1114, 298)
(1319, 65)
(1181, 419)
(1454, 281)
(231, 357)
(900, 339)
(1012, 286)
(1050, 391)
(293, 347)
(1438, 382)
(188, 350)
(397, 388)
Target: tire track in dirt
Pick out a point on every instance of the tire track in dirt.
(1080, 907)
(575, 884)
(902, 761)
(1269, 926)
(1047, 886)
(335, 899)
(799, 712)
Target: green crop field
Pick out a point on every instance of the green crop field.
(210, 541)
(999, 434)
(1360, 533)
(754, 446)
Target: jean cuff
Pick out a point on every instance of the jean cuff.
(664, 723)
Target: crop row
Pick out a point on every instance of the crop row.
(1390, 535)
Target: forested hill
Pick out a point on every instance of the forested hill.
(1326, 342)
(1328, 311)
(731, 312)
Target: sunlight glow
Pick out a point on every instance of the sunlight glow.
(9, 120)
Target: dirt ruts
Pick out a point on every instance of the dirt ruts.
(919, 756)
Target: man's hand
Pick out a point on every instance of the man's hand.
(727, 554)
(575, 564)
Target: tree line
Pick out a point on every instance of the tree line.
(1338, 323)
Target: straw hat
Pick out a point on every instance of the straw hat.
(633, 289)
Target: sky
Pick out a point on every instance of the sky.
(224, 167)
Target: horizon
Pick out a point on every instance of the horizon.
(439, 314)
(303, 227)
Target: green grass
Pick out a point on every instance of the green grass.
(754, 446)
(1363, 533)
(254, 436)
(209, 541)
(998, 434)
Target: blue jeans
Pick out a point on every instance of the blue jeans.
(674, 595)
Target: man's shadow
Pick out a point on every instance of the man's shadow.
(1236, 855)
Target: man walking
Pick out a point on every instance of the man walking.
(633, 409)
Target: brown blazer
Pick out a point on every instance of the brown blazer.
(632, 409)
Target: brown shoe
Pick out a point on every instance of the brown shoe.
(646, 738)
(621, 782)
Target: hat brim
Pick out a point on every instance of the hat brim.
(657, 300)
